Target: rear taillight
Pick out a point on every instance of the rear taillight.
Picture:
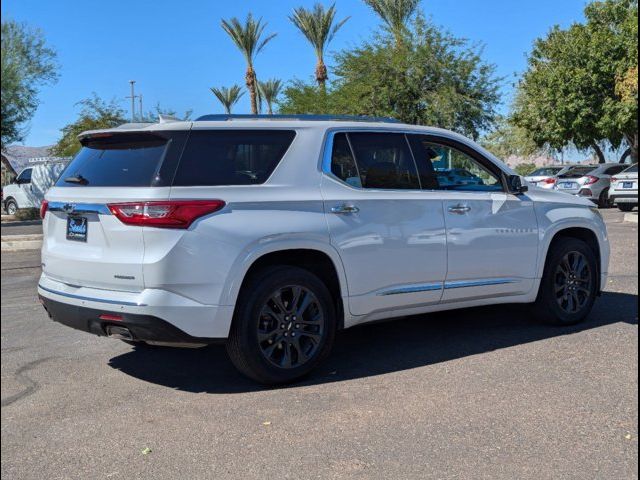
(169, 214)
(614, 179)
(591, 180)
(550, 181)
(44, 206)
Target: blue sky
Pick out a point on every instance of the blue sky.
(177, 50)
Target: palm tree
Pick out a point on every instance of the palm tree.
(228, 97)
(318, 26)
(396, 14)
(270, 90)
(248, 39)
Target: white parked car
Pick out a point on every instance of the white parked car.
(546, 177)
(590, 181)
(30, 186)
(272, 234)
(624, 189)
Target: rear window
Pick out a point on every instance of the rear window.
(546, 171)
(231, 157)
(632, 169)
(577, 172)
(122, 160)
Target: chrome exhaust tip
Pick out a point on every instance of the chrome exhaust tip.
(121, 333)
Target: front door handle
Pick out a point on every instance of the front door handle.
(345, 209)
(460, 209)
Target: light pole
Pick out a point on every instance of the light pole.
(133, 101)
(140, 101)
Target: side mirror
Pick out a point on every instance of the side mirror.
(516, 185)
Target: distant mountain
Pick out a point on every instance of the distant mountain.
(20, 156)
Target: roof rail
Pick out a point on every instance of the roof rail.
(301, 117)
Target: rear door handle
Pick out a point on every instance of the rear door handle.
(345, 209)
(459, 209)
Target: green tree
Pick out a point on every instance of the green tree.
(318, 26)
(228, 97)
(432, 78)
(95, 114)
(28, 64)
(571, 92)
(269, 91)
(508, 140)
(248, 37)
(396, 15)
(153, 116)
(524, 169)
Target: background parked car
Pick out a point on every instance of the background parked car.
(624, 189)
(546, 177)
(29, 187)
(456, 177)
(590, 181)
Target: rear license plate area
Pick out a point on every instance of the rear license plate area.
(627, 184)
(77, 228)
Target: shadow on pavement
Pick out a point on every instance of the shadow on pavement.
(375, 349)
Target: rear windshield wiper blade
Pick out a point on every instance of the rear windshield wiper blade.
(77, 179)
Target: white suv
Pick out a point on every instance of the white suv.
(271, 234)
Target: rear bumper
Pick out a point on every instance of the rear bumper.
(623, 198)
(142, 327)
(148, 310)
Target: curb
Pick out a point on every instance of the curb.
(631, 217)
(14, 243)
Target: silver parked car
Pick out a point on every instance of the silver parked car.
(590, 181)
(624, 189)
(546, 177)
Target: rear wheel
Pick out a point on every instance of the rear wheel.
(284, 325)
(626, 207)
(604, 201)
(569, 284)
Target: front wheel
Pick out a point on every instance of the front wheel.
(626, 207)
(11, 206)
(569, 284)
(284, 325)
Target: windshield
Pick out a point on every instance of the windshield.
(131, 160)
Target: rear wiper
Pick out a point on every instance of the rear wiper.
(77, 179)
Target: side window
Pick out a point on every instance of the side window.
(231, 157)
(384, 161)
(25, 176)
(423, 153)
(343, 165)
(455, 170)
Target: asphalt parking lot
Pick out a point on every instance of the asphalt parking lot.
(475, 394)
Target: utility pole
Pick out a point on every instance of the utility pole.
(140, 100)
(133, 101)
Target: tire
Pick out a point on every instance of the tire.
(604, 201)
(261, 342)
(551, 302)
(626, 207)
(11, 206)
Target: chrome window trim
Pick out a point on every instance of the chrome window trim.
(90, 299)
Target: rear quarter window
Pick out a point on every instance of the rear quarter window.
(231, 157)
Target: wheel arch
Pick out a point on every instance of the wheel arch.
(319, 260)
(583, 233)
